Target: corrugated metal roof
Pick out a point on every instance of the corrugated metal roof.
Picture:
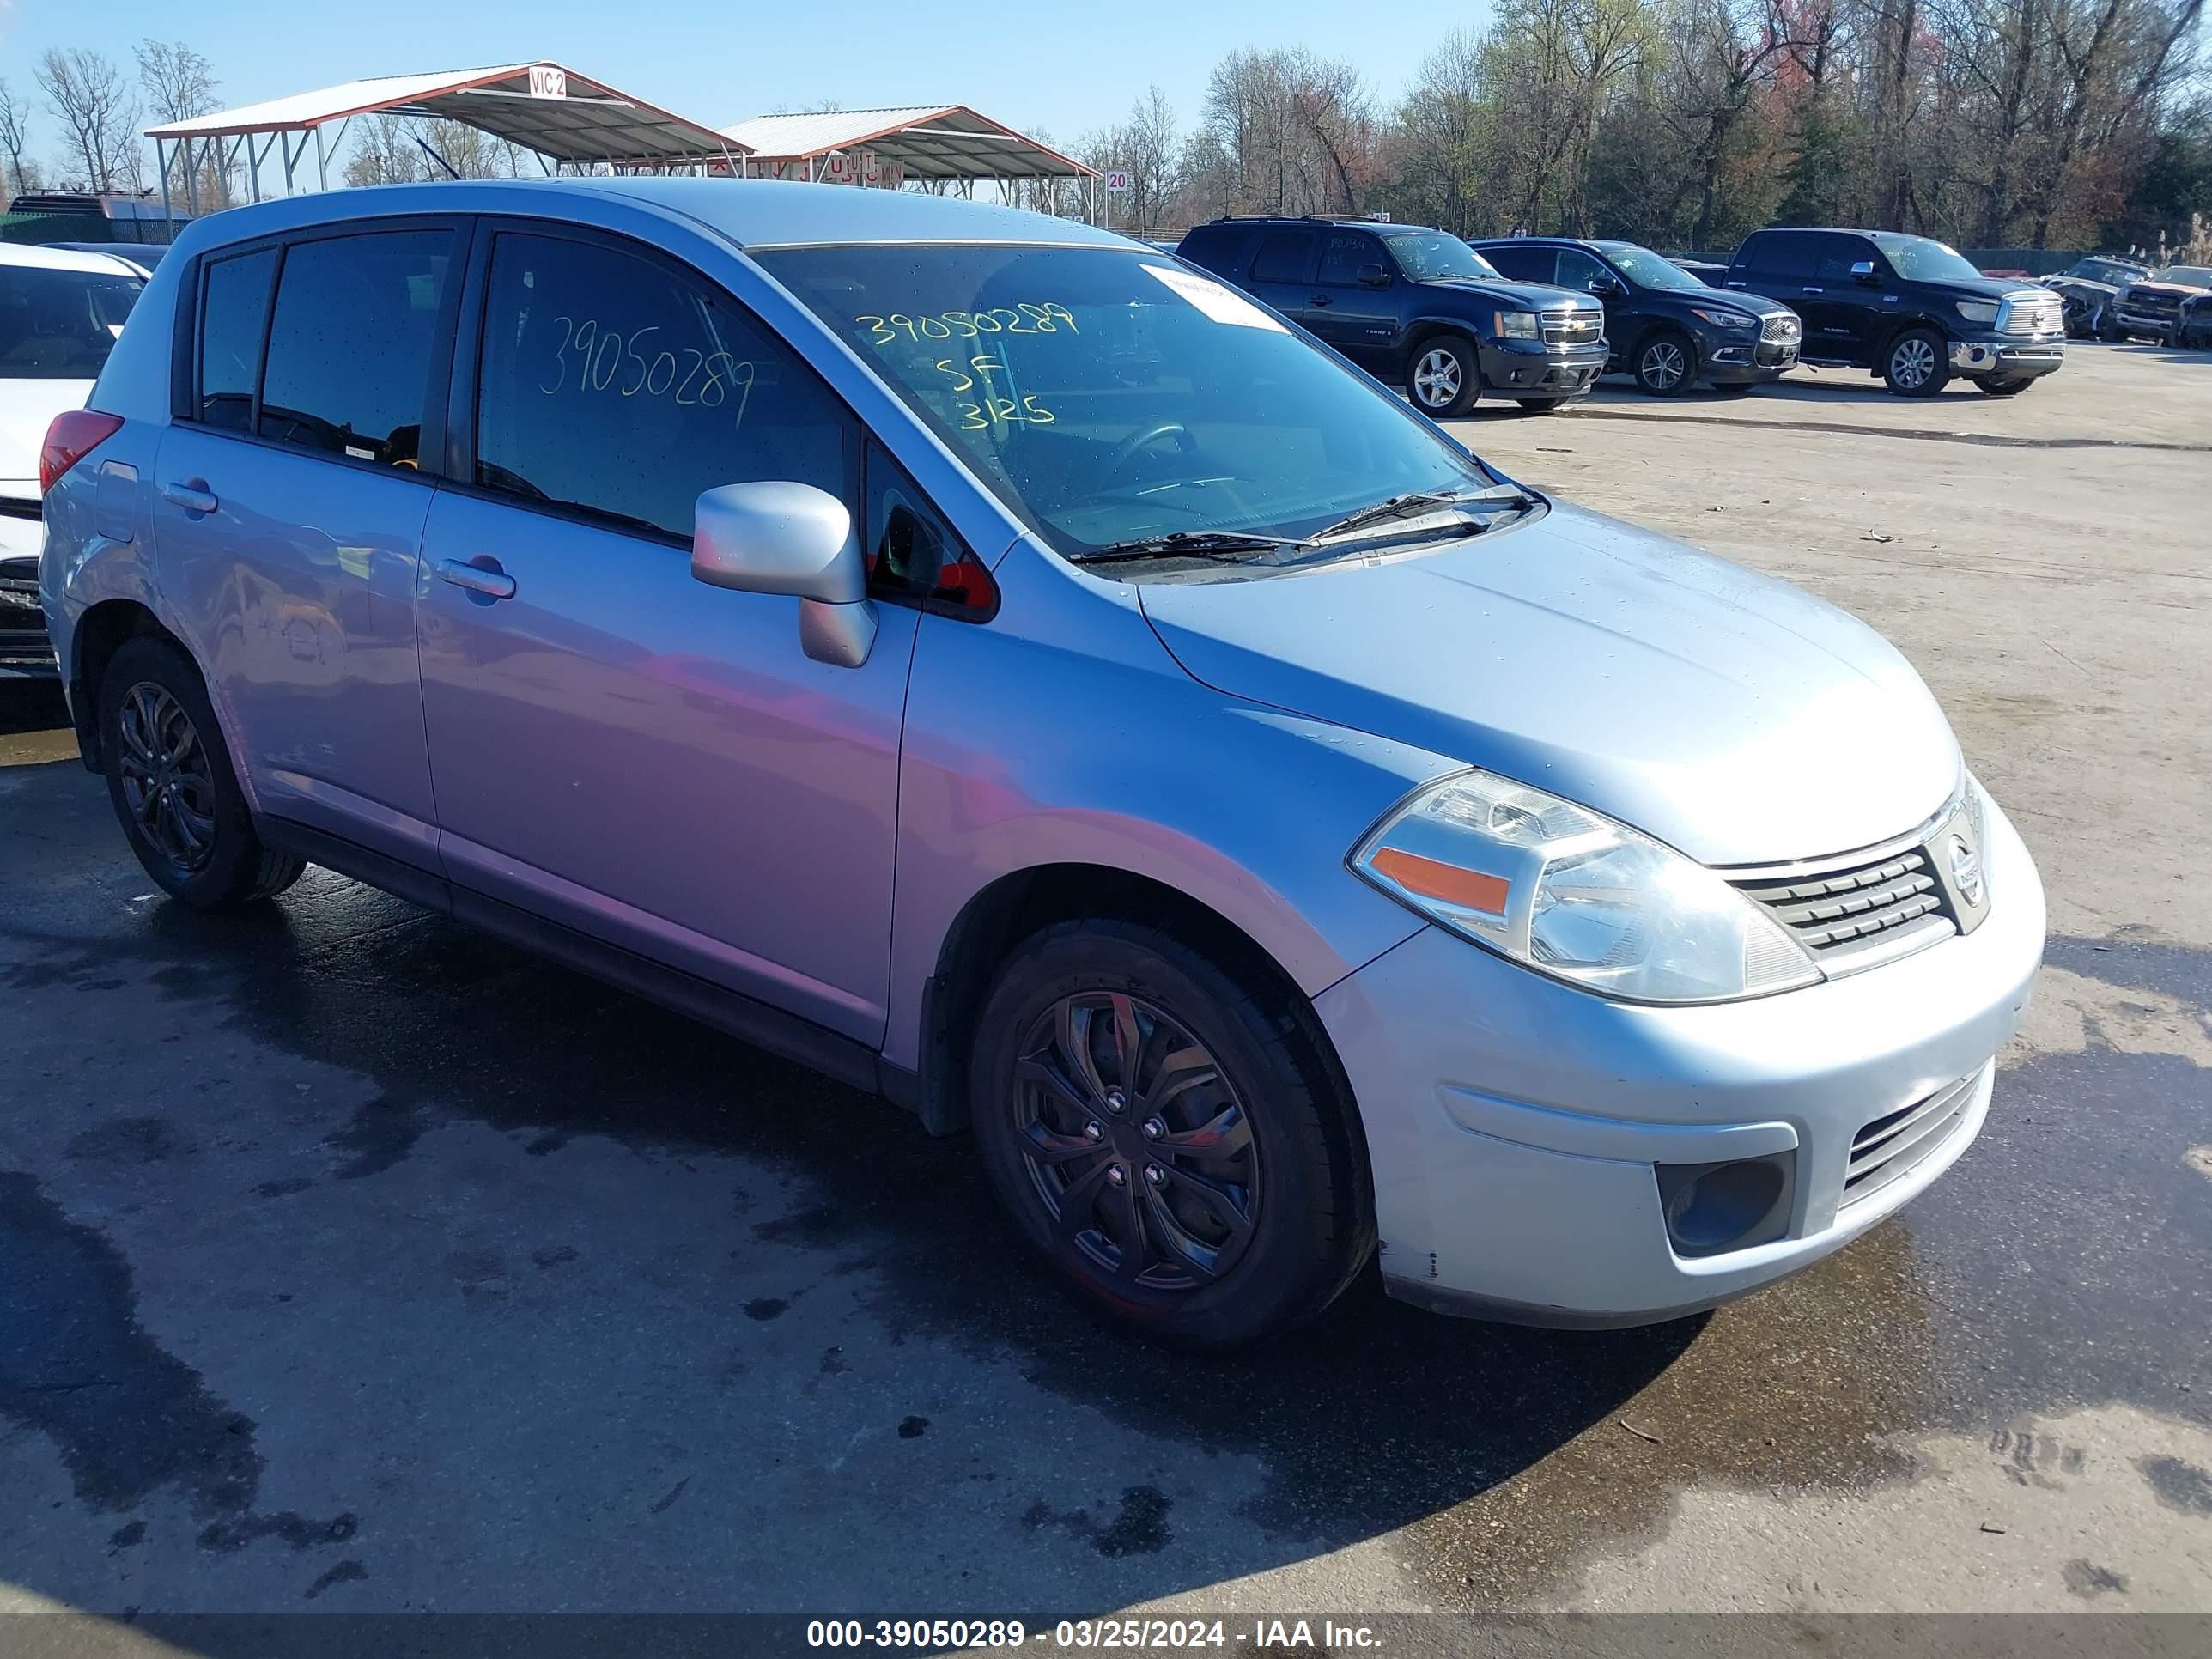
(932, 141)
(585, 121)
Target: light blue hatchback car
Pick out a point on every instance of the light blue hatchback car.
(1001, 665)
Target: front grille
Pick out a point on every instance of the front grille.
(1783, 326)
(1576, 327)
(2039, 314)
(1896, 1142)
(1856, 907)
(2153, 305)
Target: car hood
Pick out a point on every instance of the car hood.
(27, 408)
(1736, 718)
(1723, 299)
(1520, 296)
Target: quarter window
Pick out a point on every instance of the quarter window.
(613, 385)
(233, 315)
(350, 345)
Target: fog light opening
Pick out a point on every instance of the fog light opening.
(1713, 1207)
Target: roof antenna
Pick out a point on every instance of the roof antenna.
(440, 160)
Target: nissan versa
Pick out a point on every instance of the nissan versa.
(1009, 669)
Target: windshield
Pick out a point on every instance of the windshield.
(60, 324)
(1427, 255)
(1107, 396)
(1922, 259)
(2185, 276)
(2105, 271)
(1646, 269)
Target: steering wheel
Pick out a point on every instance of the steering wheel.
(1124, 451)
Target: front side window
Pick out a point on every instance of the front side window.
(350, 345)
(1430, 256)
(1344, 253)
(234, 315)
(61, 325)
(1838, 254)
(1578, 270)
(1106, 395)
(617, 385)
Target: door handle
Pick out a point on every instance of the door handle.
(1813, 290)
(1318, 300)
(486, 578)
(190, 493)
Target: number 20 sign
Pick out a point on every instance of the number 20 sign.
(1117, 184)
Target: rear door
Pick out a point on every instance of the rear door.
(641, 758)
(1283, 266)
(288, 509)
(1360, 319)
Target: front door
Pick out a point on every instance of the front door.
(289, 515)
(614, 744)
(1360, 319)
(1842, 313)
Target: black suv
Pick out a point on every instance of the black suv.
(1667, 328)
(1907, 308)
(1413, 306)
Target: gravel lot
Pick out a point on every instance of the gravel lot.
(369, 1266)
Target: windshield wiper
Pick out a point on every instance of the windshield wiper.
(1196, 544)
(1399, 506)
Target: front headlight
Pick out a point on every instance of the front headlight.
(1517, 325)
(1977, 311)
(1728, 319)
(1573, 894)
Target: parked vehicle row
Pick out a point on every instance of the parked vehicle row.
(1009, 668)
(2151, 307)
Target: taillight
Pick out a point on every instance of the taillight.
(71, 437)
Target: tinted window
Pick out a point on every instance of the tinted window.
(1343, 254)
(1523, 265)
(1282, 255)
(1105, 394)
(1836, 256)
(1213, 246)
(614, 384)
(349, 348)
(233, 311)
(60, 324)
(1578, 270)
(1783, 254)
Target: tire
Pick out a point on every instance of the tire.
(1917, 363)
(170, 779)
(2103, 328)
(1665, 363)
(2006, 388)
(1443, 376)
(1243, 1236)
(1542, 405)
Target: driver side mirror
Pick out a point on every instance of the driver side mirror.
(1862, 272)
(1607, 287)
(1372, 275)
(790, 539)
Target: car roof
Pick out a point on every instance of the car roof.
(750, 212)
(1380, 227)
(61, 259)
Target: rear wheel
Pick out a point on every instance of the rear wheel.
(1443, 373)
(2002, 388)
(1918, 364)
(1167, 1135)
(169, 776)
(1665, 363)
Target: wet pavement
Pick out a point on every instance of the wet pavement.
(350, 1259)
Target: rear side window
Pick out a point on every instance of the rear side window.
(1523, 265)
(1786, 253)
(233, 316)
(60, 324)
(615, 385)
(350, 346)
(1282, 255)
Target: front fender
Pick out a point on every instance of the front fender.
(1077, 739)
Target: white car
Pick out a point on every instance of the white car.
(60, 313)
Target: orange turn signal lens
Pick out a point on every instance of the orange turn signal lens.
(1470, 889)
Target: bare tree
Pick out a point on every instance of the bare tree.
(180, 84)
(15, 136)
(94, 103)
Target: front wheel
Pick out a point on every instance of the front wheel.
(169, 776)
(1666, 364)
(1445, 375)
(1167, 1136)
(1918, 364)
(2002, 388)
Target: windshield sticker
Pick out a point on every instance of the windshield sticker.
(1221, 303)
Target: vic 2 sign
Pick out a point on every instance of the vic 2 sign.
(548, 80)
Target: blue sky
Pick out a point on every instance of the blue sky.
(1062, 67)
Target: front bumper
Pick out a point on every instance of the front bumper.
(1529, 368)
(25, 648)
(2009, 357)
(2157, 324)
(1513, 1122)
(1734, 359)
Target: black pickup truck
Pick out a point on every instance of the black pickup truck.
(1909, 310)
(1414, 306)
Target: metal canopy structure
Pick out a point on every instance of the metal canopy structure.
(925, 141)
(563, 116)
